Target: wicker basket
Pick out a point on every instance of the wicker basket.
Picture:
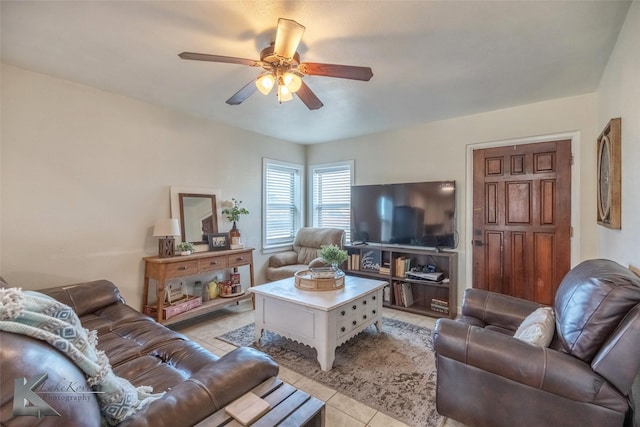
(305, 280)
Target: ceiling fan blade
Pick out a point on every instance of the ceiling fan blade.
(340, 71)
(218, 58)
(243, 93)
(309, 98)
(288, 36)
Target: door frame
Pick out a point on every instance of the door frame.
(576, 185)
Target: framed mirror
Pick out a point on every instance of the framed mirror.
(199, 216)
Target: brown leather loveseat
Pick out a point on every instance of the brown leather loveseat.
(486, 377)
(196, 382)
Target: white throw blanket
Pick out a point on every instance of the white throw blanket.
(42, 317)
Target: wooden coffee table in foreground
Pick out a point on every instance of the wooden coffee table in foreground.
(289, 407)
(320, 319)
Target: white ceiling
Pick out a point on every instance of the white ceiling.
(431, 60)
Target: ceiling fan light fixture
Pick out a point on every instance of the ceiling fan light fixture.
(265, 83)
(284, 94)
(281, 67)
(292, 81)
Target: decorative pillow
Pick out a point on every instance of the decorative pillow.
(538, 327)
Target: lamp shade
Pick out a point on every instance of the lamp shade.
(284, 94)
(166, 227)
(288, 36)
(265, 82)
(292, 81)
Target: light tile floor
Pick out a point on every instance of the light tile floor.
(341, 411)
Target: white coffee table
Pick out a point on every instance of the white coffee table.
(321, 319)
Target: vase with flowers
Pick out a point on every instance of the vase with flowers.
(233, 213)
(332, 254)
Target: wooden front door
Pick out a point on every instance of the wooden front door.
(522, 219)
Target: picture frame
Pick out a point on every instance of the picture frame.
(218, 241)
(609, 185)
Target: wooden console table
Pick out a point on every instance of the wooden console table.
(163, 269)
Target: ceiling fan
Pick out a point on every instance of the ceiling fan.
(283, 69)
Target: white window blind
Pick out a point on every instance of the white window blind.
(282, 210)
(331, 196)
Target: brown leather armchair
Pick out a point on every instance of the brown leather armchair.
(486, 377)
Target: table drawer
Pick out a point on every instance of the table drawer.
(343, 328)
(214, 263)
(347, 326)
(363, 305)
(185, 268)
(354, 320)
(243, 258)
(370, 300)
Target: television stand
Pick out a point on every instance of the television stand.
(428, 292)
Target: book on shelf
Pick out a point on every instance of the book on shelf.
(386, 294)
(385, 269)
(440, 305)
(402, 265)
(397, 298)
(353, 262)
(407, 294)
(439, 308)
(403, 294)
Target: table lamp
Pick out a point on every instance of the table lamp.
(166, 228)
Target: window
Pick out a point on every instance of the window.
(282, 208)
(331, 196)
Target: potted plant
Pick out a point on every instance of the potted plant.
(332, 254)
(233, 214)
(185, 248)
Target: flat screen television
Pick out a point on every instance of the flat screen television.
(414, 214)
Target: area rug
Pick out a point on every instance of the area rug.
(393, 371)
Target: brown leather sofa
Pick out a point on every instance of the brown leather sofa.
(486, 377)
(196, 382)
(304, 254)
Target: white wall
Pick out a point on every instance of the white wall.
(437, 151)
(619, 96)
(86, 173)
